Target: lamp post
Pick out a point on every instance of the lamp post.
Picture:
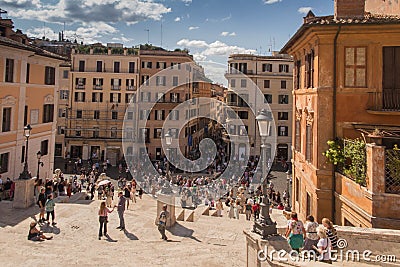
(166, 189)
(39, 163)
(288, 178)
(264, 226)
(27, 133)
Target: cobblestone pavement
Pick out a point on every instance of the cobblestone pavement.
(209, 241)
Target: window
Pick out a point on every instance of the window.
(283, 131)
(81, 65)
(28, 70)
(96, 114)
(159, 115)
(297, 192)
(61, 113)
(267, 83)
(80, 83)
(113, 132)
(283, 68)
(131, 67)
(298, 74)
(99, 66)
(268, 98)
(178, 65)
(147, 65)
(78, 131)
(144, 114)
(233, 83)
(96, 132)
(174, 97)
(116, 84)
(161, 80)
(355, 67)
(115, 97)
(116, 66)
(283, 84)
(309, 143)
(9, 78)
(48, 113)
(175, 81)
(160, 97)
(243, 83)
(243, 115)
(79, 114)
(298, 135)
(6, 122)
(130, 84)
(267, 67)
(174, 132)
(65, 74)
(61, 130)
(114, 115)
(44, 147)
(98, 83)
(145, 79)
(283, 116)
(129, 116)
(243, 130)
(4, 162)
(283, 99)
(161, 65)
(308, 209)
(174, 115)
(50, 76)
(310, 70)
(58, 150)
(97, 97)
(128, 98)
(144, 135)
(157, 132)
(145, 96)
(79, 97)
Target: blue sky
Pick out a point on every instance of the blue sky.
(210, 29)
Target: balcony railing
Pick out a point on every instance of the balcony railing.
(115, 87)
(97, 87)
(130, 88)
(386, 101)
(79, 86)
(106, 70)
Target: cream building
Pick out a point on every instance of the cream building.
(273, 76)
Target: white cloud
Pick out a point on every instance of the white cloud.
(224, 33)
(42, 31)
(72, 11)
(199, 57)
(304, 10)
(192, 43)
(191, 28)
(232, 34)
(268, 2)
(177, 19)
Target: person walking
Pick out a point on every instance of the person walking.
(231, 213)
(330, 232)
(162, 222)
(50, 209)
(219, 206)
(127, 195)
(103, 218)
(295, 232)
(323, 246)
(41, 203)
(121, 210)
(311, 233)
(248, 210)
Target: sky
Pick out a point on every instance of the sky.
(210, 29)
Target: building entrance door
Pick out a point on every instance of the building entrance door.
(282, 152)
(113, 155)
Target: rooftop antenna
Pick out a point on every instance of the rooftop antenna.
(148, 36)
(161, 32)
(2, 11)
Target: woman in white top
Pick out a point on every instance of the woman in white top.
(324, 246)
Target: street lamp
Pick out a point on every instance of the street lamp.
(264, 226)
(166, 189)
(27, 133)
(39, 163)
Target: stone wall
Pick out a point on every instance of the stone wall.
(387, 7)
(349, 9)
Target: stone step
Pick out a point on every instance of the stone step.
(180, 215)
(190, 217)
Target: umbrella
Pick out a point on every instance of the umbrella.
(104, 182)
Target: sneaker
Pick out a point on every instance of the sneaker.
(99, 237)
(53, 223)
(119, 227)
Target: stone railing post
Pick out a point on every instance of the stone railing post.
(375, 168)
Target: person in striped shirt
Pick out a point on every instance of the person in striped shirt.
(330, 232)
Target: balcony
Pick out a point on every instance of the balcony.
(115, 87)
(130, 88)
(97, 87)
(384, 102)
(79, 86)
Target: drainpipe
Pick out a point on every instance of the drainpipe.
(334, 116)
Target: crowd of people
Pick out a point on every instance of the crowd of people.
(7, 189)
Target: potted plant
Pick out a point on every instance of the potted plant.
(376, 136)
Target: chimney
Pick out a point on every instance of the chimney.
(349, 9)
